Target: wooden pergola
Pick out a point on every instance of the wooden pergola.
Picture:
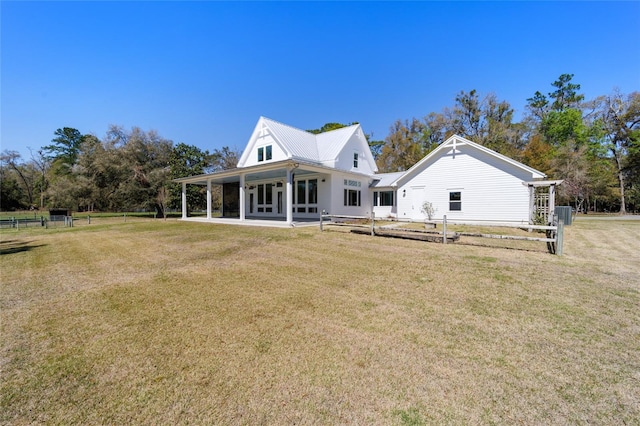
(542, 203)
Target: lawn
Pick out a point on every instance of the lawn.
(169, 322)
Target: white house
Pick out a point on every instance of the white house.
(289, 174)
(464, 181)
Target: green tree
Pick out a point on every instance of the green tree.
(188, 160)
(11, 193)
(620, 118)
(330, 126)
(25, 173)
(404, 146)
(65, 149)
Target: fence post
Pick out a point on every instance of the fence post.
(559, 237)
(321, 215)
(444, 229)
(89, 219)
(373, 224)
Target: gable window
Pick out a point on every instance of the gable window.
(455, 201)
(265, 153)
(355, 160)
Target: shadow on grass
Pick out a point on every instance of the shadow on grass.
(542, 249)
(12, 246)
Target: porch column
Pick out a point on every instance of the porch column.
(552, 201)
(242, 217)
(208, 198)
(532, 207)
(184, 200)
(289, 203)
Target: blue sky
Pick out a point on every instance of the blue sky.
(203, 72)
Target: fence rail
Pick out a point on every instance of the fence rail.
(554, 233)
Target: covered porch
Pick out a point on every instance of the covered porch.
(281, 193)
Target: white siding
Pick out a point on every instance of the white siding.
(345, 158)
(277, 153)
(491, 189)
(337, 206)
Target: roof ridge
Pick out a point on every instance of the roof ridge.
(287, 125)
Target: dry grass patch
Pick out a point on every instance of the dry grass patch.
(171, 322)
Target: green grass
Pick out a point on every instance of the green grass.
(150, 321)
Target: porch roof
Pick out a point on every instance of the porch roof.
(274, 170)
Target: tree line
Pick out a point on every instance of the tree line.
(593, 145)
(127, 170)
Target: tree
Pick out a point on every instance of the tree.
(222, 159)
(11, 194)
(188, 160)
(620, 117)
(65, 149)
(330, 126)
(566, 94)
(24, 172)
(42, 163)
(404, 146)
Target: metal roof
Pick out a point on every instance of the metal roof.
(385, 179)
(296, 142)
(331, 143)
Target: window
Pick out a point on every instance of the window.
(268, 188)
(313, 191)
(455, 201)
(383, 198)
(386, 198)
(301, 197)
(306, 196)
(265, 153)
(352, 197)
(261, 194)
(355, 160)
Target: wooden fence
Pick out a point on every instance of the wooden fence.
(367, 225)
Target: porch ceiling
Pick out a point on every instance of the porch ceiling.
(272, 171)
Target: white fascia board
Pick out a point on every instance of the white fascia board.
(459, 140)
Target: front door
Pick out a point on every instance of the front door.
(417, 198)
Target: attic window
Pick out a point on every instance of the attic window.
(265, 153)
(355, 160)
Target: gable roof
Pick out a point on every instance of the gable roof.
(331, 143)
(303, 145)
(295, 142)
(451, 144)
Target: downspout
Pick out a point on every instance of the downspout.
(242, 201)
(208, 198)
(184, 200)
